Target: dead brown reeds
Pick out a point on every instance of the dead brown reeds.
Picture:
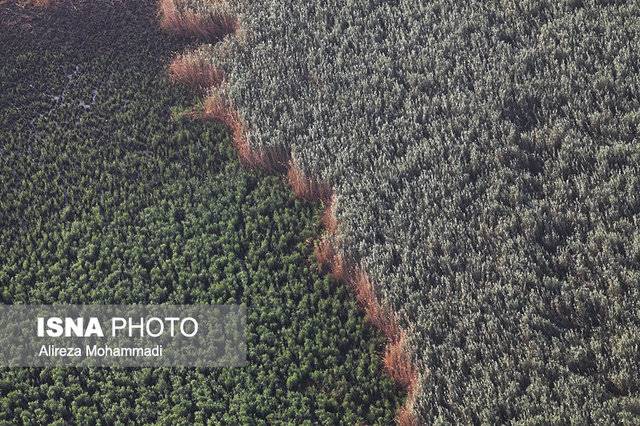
(272, 159)
(405, 416)
(376, 314)
(328, 218)
(305, 187)
(194, 71)
(397, 362)
(211, 25)
(397, 355)
(330, 260)
(396, 359)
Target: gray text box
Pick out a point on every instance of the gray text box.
(122, 335)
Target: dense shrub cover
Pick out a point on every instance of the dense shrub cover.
(485, 158)
(109, 194)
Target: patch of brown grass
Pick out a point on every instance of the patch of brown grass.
(216, 108)
(194, 71)
(405, 416)
(329, 219)
(210, 25)
(323, 251)
(330, 260)
(378, 315)
(273, 159)
(305, 187)
(397, 363)
(397, 356)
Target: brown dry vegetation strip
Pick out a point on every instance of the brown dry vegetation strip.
(194, 72)
(200, 74)
(271, 160)
(213, 26)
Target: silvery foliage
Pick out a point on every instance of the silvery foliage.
(485, 156)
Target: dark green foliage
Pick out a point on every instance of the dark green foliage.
(486, 159)
(108, 196)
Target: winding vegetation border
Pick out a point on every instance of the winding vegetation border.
(199, 74)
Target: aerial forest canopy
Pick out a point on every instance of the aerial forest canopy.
(485, 160)
(479, 162)
(111, 194)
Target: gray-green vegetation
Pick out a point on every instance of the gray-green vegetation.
(109, 195)
(485, 157)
